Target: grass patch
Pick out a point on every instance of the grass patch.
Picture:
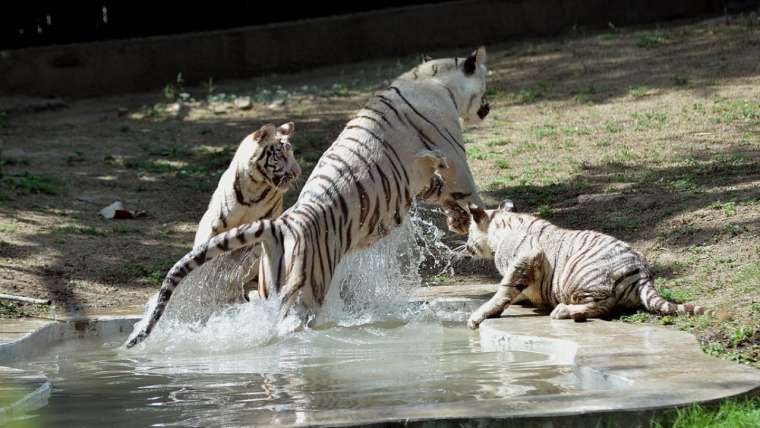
(152, 272)
(651, 39)
(498, 142)
(748, 275)
(636, 318)
(676, 295)
(26, 182)
(8, 227)
(12, 310)
(532, 93)
(474, 152)
(649, 120)
(612, 127)
(540, 132)
(732, 413)
(501, 163)
(730, 111)
(639, 91)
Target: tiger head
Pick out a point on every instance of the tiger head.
(478, 245)
(465, 78)
(273, 159)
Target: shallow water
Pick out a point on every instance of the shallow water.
(291, 379)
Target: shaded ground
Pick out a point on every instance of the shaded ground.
(650, 134)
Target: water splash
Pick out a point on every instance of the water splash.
(207, 313)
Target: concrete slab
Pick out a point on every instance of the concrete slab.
(630, 371)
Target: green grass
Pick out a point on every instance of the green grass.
(544, 211)
(651, 39)
(540, 132)
(731, 413)
(675, 295)
(152, 272)
(532, 93)
(612, 127)
(639, 91)
(649, 120)
(8, 227)
(501, 163)
(730, 111)
(26, 182)
(12, 310)
(498, 142)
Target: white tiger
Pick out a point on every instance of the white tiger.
(363, 185)
(580, 273)
(252, 187)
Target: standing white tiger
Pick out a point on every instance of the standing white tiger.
(580, 273)
(363, 185)
(253, 186)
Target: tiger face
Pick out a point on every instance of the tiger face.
(478, 245)
(465, 78)
(274, 161)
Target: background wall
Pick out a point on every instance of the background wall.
(129, 65)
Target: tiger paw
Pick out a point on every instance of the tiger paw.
(561, 312)
(473, 324)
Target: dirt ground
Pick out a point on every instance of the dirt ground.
(651, 134)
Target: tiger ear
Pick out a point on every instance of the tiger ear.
(506, 205)
(286, 129)
(264, 133)
(426, 58)
(478, 214)
(475, 60)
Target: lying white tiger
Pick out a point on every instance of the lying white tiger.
(363, 185)
(580, 273)
(251, 188)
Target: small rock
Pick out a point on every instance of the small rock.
(243, 103)
(277, 104)
(117, 211)
(219, 109)
(173, 109)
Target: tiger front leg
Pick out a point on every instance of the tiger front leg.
(527, 271)
(504, 296)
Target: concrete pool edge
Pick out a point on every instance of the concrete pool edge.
(651, 369)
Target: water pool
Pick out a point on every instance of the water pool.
(297, 379)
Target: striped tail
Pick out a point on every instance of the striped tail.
(239, 237)
(655, 304)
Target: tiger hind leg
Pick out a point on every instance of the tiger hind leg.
(580, 312)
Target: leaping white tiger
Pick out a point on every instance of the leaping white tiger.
(363, 185)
